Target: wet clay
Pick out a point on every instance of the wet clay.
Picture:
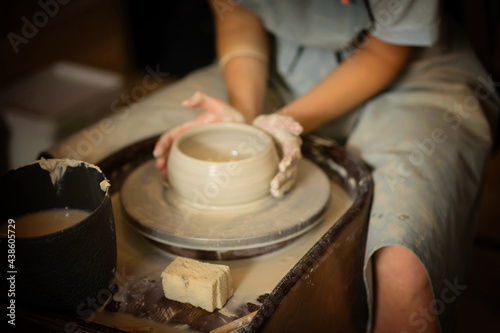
(57, 168)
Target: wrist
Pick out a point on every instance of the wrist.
(249, 107)
(248, 114)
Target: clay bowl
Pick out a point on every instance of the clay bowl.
(65, 268)
(222, 165)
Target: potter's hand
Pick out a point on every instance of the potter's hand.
(286, 132)
(216, 110)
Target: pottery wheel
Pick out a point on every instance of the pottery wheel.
(159, 214)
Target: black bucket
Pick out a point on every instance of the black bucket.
(70, 270)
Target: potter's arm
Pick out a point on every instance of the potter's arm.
(242, 47)
(365, 73)
(243, 52)
(368, 70)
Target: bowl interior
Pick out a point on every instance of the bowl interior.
(224, 143)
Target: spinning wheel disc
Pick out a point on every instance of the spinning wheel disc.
(159, 214)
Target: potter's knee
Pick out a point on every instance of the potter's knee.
(399, 265)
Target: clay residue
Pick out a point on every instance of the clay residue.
(226, 312)
(105, 184)
(338, 168)
(57, 167)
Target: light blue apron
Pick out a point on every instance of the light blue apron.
(427, 136)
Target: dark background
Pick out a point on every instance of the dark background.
(123, 36)
(126, 36)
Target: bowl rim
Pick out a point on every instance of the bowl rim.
(212, 127)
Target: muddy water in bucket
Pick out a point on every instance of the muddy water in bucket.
(45, 222)
(58, 226)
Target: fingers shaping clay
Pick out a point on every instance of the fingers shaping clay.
(206, 285)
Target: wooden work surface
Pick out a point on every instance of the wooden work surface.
(296, 302)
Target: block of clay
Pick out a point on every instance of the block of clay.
(206, 285)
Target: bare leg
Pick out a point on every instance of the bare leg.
(402, 293)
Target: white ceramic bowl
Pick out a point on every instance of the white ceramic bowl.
(222, 164)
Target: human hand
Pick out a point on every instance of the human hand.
(216, 110)
(286, 132)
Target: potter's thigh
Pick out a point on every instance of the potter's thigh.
(131, 121)
(428, 143)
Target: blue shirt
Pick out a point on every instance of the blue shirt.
(312, 35)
